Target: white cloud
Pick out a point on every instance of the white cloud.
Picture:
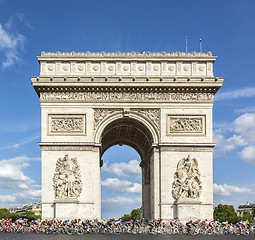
(245, 110)
(7, 198)
(121, 186)
(227, 190)
(130, 169)
(240, 93)
(32, 194)
(9, 23)
(19, 198)
(243, 136)
(12, 173)
(225, 145)
(122, 200)
(245, 126)
(248, 154)
(10, 45)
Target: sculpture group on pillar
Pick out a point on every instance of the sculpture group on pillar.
(187, 183)
(67, 178)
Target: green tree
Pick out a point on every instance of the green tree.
(15, 216)
(253, 212)
(246, 216)
(225, 213)
(136, 214)
(4, 213)
(126, 217)
(31, 215)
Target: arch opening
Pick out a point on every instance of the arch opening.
(131, 132)
(121, 181)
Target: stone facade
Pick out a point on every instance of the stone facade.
(248, 207)
(158, 103)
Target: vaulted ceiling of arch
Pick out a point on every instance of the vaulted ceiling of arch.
(128, 132)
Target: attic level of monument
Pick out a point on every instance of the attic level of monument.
(158, 103)
(92, 73)
(127, 64)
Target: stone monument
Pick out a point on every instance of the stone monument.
(158, 103)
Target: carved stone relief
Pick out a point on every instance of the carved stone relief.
(100, 114)
(187, 183)
(67, 124)
(153, 115)
(186, 125)
(123, 54)
(67, 148)
(125, 96)
(67, 178)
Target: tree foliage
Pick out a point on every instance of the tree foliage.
(246, 216)
(135, 215)
(126, 217)
(31, 215)
(5, 214)
(227, 213)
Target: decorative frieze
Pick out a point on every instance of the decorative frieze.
(122, 54)
(67, 181)
(187, 183)
(126, 96)
(67, 148)
(186, 149)
(67, 124)
(186, 124)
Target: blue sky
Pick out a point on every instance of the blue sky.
(27, 27)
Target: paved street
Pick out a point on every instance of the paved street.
(33, 236)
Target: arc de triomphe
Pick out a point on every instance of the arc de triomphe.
(158, 103)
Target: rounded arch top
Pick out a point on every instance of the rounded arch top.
(131, 128)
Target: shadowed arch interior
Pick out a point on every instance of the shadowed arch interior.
(129, 132)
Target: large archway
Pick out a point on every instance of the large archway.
(121, 181)
(158, 103)
(128, 131)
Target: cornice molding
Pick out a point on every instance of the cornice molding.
(68, 146)
(133, 54)
(186, 147)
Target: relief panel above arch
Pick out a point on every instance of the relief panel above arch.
(152, 114)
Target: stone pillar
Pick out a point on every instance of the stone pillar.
(188, 209)
(97, 184)
(146, 205)
(155, 184)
